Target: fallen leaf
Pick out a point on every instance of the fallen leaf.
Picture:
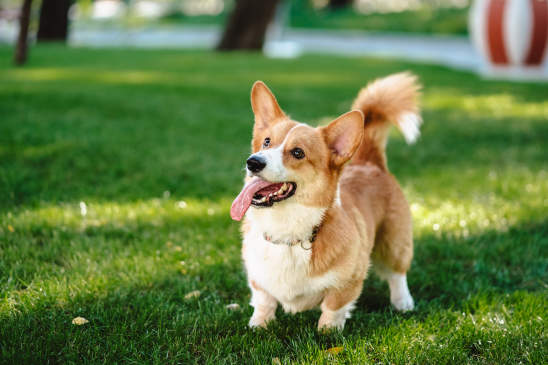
(276, 361)
(193, 294)
(79, 321)
(335, 350)
(10, 228)
(232, 306)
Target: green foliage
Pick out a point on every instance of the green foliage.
(91, 141)
(426, 19)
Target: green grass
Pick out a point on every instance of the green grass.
(133, 134)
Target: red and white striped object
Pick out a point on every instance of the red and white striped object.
(510, 32)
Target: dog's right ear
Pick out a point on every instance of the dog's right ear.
(264, 105)
(343, 136)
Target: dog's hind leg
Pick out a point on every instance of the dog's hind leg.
(400, 297)
(393, 253)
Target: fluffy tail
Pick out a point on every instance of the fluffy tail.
(392, 99)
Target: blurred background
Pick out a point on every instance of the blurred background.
(416, 16)
(450, 32)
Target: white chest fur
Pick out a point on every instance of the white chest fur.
(284, 271)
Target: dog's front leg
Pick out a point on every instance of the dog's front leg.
(337, 305)
(264, 306)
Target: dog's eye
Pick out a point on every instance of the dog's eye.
(297, 153)
(266, 142)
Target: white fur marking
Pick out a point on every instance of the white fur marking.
(399, 292)
(400, 297)
(338, 195)
(275, 170)
(409, 124)
(282, 271)
(286, 221)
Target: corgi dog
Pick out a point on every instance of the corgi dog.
(320, 206)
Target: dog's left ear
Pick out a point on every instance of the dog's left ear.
(265, 107)
(343, 136)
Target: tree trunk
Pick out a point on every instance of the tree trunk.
(21, 47)
(339, 4)
(246, 28)
(53, 20)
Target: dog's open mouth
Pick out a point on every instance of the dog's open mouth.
(274, 193)
(260, 193)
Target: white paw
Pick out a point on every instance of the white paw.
(260, 321)
(331, 326)
(399, 292)
(334, 320)
(403, 304)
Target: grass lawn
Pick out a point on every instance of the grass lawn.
(118, 167)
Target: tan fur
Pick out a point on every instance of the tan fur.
(382, 101)
(371, 223)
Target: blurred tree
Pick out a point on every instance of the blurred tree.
(53, 20)
(22, 39)
(339, 4)
(247, 25)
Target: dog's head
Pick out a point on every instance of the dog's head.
(292, 161)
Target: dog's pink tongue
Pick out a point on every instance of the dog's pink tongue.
(243, 200)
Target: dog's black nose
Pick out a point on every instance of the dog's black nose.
(255, 163)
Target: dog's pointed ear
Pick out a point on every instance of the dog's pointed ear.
(264, 105)
(343, 136)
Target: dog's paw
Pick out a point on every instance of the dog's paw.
(330, 327)
(259, 321)
(328, 322)
(403, 304)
